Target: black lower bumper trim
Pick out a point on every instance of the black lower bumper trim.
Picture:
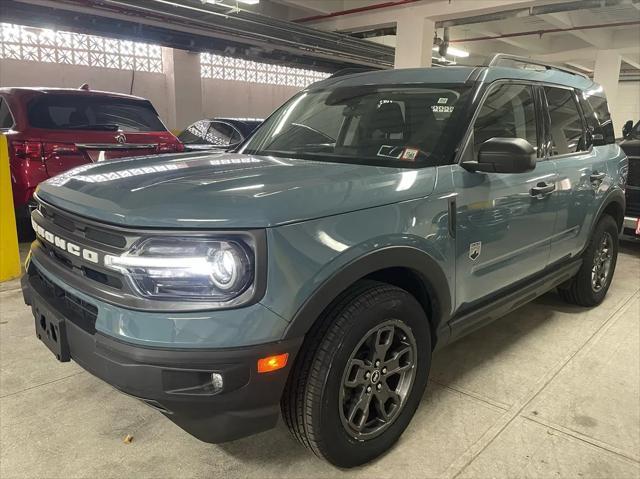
(178, 382)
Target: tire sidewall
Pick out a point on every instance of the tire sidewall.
(606, 224)
(340, 448)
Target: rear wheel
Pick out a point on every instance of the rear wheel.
(591, 283)
(360, 375)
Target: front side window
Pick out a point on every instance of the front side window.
(99, 113)
(508, 112)
(387, 126)
(196, 133)
(567, 131)
(6, 120)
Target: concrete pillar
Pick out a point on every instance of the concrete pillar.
(414, 42)
(607, 74)
(184, 87)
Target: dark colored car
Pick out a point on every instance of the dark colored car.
(631, 146)
(217, 133)
(51, 130)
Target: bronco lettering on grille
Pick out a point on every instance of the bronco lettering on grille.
(65, 245)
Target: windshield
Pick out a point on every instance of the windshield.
(97, 113)
(395, 126)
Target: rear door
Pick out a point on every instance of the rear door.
(582, 172)
(503, 228)
(79, 128)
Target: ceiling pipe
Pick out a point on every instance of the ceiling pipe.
(489, 17)
(368, 8)
(549, 30)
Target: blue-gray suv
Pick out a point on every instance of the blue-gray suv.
(372, 219)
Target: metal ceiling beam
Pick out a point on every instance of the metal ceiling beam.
(192, 25)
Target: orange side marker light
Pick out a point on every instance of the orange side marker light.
(272, 363)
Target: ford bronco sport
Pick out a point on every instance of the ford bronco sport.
(372, 219)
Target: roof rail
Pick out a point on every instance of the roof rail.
(352, 70)
(495, 60)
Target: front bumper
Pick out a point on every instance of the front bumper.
(630, 228)
(177, 382)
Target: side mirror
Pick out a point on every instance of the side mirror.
(626, 129)
(504, 155)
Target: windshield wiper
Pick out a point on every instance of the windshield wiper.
(95, 126)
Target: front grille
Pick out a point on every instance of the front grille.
(83, 229)
(633, 177)
(68, 305)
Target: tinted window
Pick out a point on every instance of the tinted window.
(507, 112)
(195, 134)
(598, 117)
(221, 134)
(366, 124)
(79, 112)
(567, 135)
(6, 120)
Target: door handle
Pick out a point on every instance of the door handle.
(542, 189)
(597, 176)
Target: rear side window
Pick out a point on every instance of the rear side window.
(567, 131)
(6, 120)
(598, 118)
(507, 112)
(98, 113)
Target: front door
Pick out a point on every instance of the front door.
(503, 226)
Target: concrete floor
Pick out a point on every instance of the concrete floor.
(548, 391)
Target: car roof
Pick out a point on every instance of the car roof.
(64, 91)
(455, 75)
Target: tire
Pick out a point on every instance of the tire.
(316, 400)
(581, 290)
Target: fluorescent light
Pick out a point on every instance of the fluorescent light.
(249, 2)
(455, 52)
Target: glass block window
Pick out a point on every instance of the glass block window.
(42, 45)
(229, 68)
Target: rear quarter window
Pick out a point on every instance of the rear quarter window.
(78, 112)
(596, 112)
(6, 119)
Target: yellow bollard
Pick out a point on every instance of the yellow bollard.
(9, 254)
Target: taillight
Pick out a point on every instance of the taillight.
(27, 150)
(169, 147)
(37, 151)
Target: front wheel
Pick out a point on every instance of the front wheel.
(360, 375)
(591, 283)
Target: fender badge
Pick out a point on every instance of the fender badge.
(474, 250)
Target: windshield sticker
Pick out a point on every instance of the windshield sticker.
(442, 101)
(442, 109)
(390, 151)
(410, 154)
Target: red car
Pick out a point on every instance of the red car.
(50, 130)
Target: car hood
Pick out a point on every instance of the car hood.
(227, 190)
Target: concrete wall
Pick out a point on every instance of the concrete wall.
(627, 105)
(242, 99)
(27, 73)
(219, 97)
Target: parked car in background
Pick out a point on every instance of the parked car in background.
(631, 145)
(50, 130)
(217, 133)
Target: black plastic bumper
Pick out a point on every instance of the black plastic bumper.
(177, 382)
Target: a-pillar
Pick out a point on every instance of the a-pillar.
(184, 87)
(607, 74)
(414, 42)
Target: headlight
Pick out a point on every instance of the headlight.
(205, 269)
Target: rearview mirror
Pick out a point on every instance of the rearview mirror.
(626, 129)
(504, 155)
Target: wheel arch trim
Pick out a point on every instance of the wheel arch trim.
(430, 272)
